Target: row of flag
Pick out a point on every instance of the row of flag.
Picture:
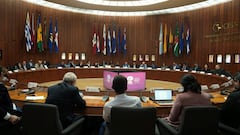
(40, 39)
(176, 42)
(111, 44)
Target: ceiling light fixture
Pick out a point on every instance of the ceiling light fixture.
(122, 3)
(190, 7)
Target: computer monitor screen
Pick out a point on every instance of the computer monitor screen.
(163, 94)
(108, 77)
(136, 80)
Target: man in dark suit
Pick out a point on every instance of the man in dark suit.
(231, 108)
(220, 71)
(10, 115)
(66, 97)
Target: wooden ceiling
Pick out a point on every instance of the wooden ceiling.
(159, 6)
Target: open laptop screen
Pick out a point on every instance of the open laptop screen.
(163, 94)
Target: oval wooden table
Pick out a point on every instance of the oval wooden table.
(94, 99)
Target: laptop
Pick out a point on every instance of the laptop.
(163, 96)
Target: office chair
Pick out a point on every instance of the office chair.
(132, 121)
(227, 130)
(43, 119)
(195, 120)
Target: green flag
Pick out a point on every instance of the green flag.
(176, 41)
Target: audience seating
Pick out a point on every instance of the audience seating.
(196, 120)
(133, 121)
(43, 119)
(227, 130)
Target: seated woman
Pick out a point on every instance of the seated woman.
(191, 96)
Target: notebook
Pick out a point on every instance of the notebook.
(163, 96)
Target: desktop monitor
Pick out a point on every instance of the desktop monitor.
(108, 77)
(136, 80)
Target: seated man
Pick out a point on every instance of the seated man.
(9, 114)
(71, 64)
(134, 65)
(175, 66)
(24, 66)
(164, 66)
(66, 97)
(126, 65)
(63, 65)
(30, 64)
(231, 108)
(184, 67)
(154, 66)
(196, 67)
(220, 71)
(143, 65)
(206, 69)
(121, 99)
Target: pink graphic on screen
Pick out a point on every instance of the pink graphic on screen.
(108, 77)
(136, 80)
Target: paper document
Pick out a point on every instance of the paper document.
(35, 97)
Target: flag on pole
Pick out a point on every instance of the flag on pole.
(124, 41)
(109, 44)
(39, 35)
(188, 40)
(50, 38)
(33, 33)
(119, 40)
(104, 45)
(160, 40)
(170, 40)
(181, 41)
(94, 41)
(176, 40)
(28, 33)
(98, 42)
(165, 40)
(45, 37)
(114, 41)
(56, 45)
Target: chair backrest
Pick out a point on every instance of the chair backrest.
(41, 119)
(133, 121)
(199, 120)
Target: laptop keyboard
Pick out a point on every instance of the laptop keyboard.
(164, 102)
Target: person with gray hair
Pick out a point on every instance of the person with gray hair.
(66, 97)
(70, 78)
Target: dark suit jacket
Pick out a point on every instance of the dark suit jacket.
(230, 113)
(65, 97)
(6, 105)
(5, 102)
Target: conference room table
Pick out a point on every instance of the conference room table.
(94, 101)
(40, 76)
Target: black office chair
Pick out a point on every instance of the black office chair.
(195, 120)
(132, 121)
(43, 119)
(227, 130)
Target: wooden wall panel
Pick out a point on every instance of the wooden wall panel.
(75, 34)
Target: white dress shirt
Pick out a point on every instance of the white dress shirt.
(121, 100)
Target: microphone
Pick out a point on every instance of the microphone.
(143, 98)
(13, 83)
(228, 83)
(105, 98)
